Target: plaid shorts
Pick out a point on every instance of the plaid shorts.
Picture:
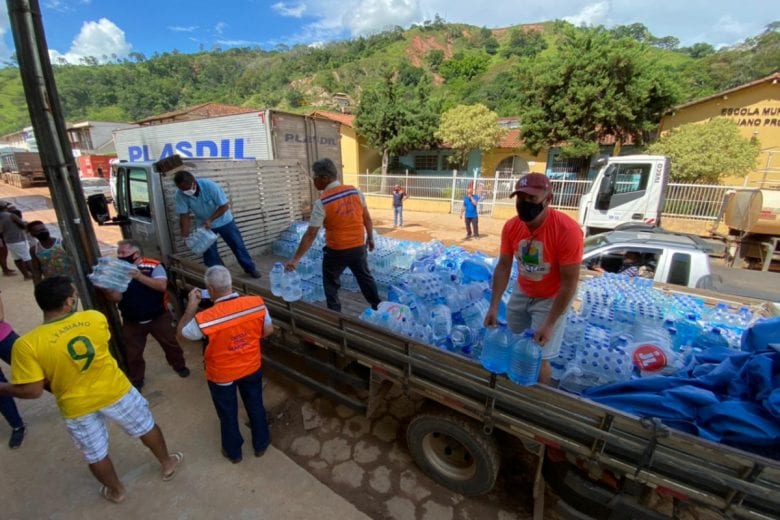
(90, 433)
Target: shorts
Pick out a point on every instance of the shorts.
(19, 251)
(90, 433)
(523, 312)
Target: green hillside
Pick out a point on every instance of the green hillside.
(466, 64)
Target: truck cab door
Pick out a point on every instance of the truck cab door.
(138, 209)
(628, 192)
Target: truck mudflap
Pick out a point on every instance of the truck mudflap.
(599, 439)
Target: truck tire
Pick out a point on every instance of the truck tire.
(454, 452)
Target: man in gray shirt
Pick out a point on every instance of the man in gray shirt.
(15, 238)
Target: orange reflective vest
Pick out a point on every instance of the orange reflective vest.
(234, 329)
(344, 228)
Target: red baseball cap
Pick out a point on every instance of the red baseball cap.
(533, 184)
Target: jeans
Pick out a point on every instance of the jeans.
(7, 405)
(232, 237)
(226, 403)
(134, 337)
(334, 261)
(472, 221)
(398, 215)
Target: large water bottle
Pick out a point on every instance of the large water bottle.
(462, 338)
(495, 350)
(525, 360)
(441, 323)
(711, 338)
(291, 286)
(688, 329)
(473, 314)
(275, 277)
(476, 269)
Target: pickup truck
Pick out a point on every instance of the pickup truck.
(604, 462)
(671, 258)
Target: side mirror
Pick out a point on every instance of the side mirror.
(599, 162)
(98, 208)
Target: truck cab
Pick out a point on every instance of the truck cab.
(627, 189)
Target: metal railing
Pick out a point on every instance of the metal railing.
(687, 201)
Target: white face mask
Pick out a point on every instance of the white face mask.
(190, 192)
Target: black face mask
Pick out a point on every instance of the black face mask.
(528, 211)
(129, 259)
(43, 237)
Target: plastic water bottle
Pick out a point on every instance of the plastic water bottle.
(688, 329)
(495, 350)
(711, 338)
(475, 269)
(525, 360)
(441, 323)
(462, 338)
(275, 276)
(291, 286)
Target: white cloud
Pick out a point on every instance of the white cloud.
(179, 28)
(293, 11)
(592, 14)
(220, 27)
(96, 39)
(727, 24)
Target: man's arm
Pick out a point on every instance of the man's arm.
(193, 300)
(185, 222)
(214, 216)
(306, 241)
(35, 264)
(158, 284)
(369, 224)
(25, 391)
(570, 277)
(500, 280)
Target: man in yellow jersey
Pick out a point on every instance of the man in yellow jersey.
(232, 330)
(70, 352)
(348, 228)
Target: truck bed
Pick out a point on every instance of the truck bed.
(680, 465)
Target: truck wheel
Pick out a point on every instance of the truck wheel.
(454, 452)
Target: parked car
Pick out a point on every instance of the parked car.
(94, 185)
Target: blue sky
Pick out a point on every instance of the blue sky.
(76, 28)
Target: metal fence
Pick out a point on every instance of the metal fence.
(686, 201)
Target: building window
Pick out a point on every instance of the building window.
(426, 162)
(512, 167)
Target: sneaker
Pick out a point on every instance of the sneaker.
(17, 436)
(184, 372)
(260, 453)
(467, 237)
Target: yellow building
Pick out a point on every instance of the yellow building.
(755, 107)
(356, 155)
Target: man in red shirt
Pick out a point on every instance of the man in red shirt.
(548, 247)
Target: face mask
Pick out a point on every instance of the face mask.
(191, 192)
(129, 259)
(528, 211)
(42, 237)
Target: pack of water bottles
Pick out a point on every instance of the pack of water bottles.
(625, 328)
(112, 273)
(200, 239)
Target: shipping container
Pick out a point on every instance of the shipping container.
(95, 165)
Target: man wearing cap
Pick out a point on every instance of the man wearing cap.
(548, 246)
(342, 210)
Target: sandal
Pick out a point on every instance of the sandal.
(105, 492)
(178, 457)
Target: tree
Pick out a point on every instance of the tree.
(395, 119)
(596, 85)
(434, 58)
(699, 50)
(525, 44)
(469, 127)
(465, 65)
(707, 152)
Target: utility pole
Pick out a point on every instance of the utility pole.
(57, 159)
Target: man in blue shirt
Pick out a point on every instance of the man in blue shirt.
(208, 202)
(472, 215)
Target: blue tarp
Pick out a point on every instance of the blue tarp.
(721, 395)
